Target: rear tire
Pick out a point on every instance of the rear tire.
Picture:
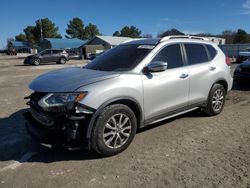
(62, 60)
(216, 100)
(114, 130)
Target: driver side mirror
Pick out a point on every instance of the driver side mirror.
(157, 66)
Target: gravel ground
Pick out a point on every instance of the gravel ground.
(187, 151)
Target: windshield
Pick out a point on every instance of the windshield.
(120, 58)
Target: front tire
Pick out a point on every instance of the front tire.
(37, 61)
(114, 130)
(216, 100)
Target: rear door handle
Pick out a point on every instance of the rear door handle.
(212, 68)
(184, 75)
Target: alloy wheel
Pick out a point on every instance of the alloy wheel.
(117, 131)
(218, 100)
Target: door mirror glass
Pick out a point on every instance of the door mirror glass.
(157, 66)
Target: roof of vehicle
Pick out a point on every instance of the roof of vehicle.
(143, 41)
(179, 38)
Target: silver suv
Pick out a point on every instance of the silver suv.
(135, 84)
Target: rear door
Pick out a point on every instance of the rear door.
(201, 71)
(55, 55)
(165, 92)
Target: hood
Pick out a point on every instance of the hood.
(68, 79)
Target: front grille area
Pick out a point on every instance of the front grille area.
(41, 117)
(63, 121)
(37, 112)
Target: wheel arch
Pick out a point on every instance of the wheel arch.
(222, 82)
(128, 101)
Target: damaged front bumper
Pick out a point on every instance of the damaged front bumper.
(63, 129)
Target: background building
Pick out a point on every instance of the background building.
(217, 40)
(99, 44)
(21, 46)
(57, 43)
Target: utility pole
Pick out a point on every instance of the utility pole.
(41, 29)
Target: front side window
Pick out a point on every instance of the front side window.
(46, 52)
(196, 53)
(170, 54)
(120, 58)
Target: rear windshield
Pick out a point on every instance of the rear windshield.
(120, 58)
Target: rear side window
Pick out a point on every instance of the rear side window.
(212, 52)
(196, 53)
(170, 54)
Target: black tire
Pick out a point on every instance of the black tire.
(98, 139)
(62, 60)
(36, 61)
(211, 109)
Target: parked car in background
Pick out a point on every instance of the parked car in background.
(51, 55)
(138, 83)
(244, 55)
(73, 54)
(242, 71)
(93, 56)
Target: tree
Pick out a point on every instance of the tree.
(241, 37)
(21, 37)
(30, 34)
(229, 36)
(10, 43)
(204, 35)
(45, 28)
(169, 32)
(116, 34)
(148, 36)
(90, 31)
(75, 29)
(131, 31)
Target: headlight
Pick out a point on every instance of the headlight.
(60, 99)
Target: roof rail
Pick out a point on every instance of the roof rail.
(183, 37)
(132, 39)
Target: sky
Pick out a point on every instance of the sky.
(151, 17)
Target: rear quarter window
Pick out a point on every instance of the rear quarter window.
(212, 52)
(196, 53)
(56, 51)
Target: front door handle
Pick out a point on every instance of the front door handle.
(212, 68)
(184, 75)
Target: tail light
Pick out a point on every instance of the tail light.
(228, 61)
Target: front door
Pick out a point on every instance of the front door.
(45, 56)
(166, 91)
